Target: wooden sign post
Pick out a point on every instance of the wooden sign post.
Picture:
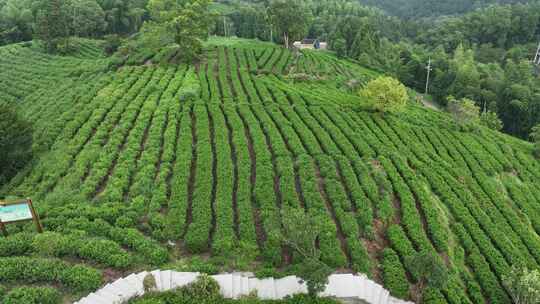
(16, 212)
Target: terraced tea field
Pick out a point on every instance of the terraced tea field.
(208, 157)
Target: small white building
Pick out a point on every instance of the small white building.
(310, 44)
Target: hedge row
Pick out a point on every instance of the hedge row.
(151, 250)
(264, 197)
(90, 154)
(32, 295)
(162, 188)
(37, 270)
(185, 154)
(132, 144)
(151, 157)
(198, 231)
(58, 245)
(394, 275)
(83, 125)
(244, 164)
(224, 235)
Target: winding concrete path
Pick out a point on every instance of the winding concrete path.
(234, 286)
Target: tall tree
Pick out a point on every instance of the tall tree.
(87, 18)
(16, 19)
(291, 19)
(123, 16)
(186, 21)
(52, 25)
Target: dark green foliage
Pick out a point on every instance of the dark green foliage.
(17, 244)
(535, 136)
(418, 8)
(429, 269)
(303, 242)
(111, 44)
(81, 278)
(79, 245)
(15, 141)
(206, 291)
(32, 295)
(52, 25)
(290, 19)
(35, 270)
(150, 249)
(186, 23)
(395, 279)
(433, 296)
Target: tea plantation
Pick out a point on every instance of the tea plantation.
(191, 168)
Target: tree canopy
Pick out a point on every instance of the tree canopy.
(290, 18)
(523, 285)
(385, 94)
(185, 22)
(464, 111)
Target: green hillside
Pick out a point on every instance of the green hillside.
(154, 165)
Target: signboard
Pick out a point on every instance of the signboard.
(18, 211)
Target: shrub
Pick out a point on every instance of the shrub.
(149, 283)
(385, 94)
(150, 249)
(111, 44)
(17, 244)
(535, 136)
(205, 287)
(432, 296)
(52, 244)
(15, 142)
(81, 278)
(429, 269)
(523, 285)
(34, 270)
(464, 111)
(104, 251)
(33, 295)
(107, 252)
(491, 120)
(394, 275)
(3, 291)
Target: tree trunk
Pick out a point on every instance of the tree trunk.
(286, 38)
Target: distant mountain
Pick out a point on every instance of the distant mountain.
(430, 8)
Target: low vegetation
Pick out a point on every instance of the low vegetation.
(15, 142)
(192, 167)
(206, 291)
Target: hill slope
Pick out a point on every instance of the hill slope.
(207, 156)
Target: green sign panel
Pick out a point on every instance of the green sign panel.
(16, 212)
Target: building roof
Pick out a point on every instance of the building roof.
(309, 41)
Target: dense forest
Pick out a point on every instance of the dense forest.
(431, 8)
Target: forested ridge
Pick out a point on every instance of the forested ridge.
(433, 8)
(186, 135)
